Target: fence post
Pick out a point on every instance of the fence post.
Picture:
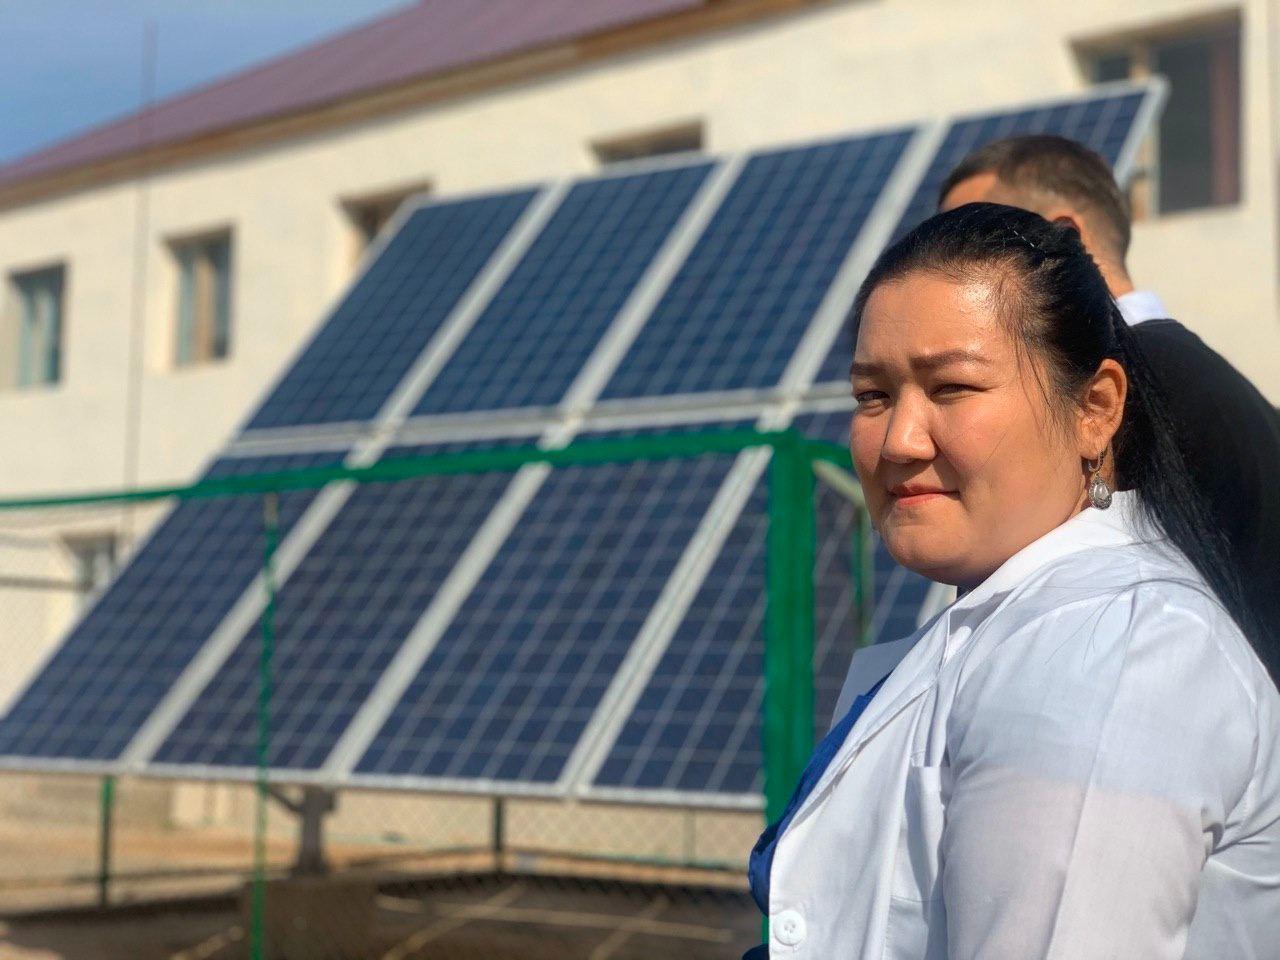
(271, 536)
(106, 819)
(864, 575)
(788, 647)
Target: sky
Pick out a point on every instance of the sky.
(67, 65)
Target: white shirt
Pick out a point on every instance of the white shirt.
(1139, 306)
(1079, 759)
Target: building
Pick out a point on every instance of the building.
(159, 271)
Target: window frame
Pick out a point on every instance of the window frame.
(1141, 49)
(84, 553)
(210, 338)
(386, 202)
(639, 145)
(39, 355)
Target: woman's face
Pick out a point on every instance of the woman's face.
(962, 460)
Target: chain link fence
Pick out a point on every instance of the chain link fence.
(157, 854)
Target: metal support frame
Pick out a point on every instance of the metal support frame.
(311, 807)
(499, 834)
(583, 452)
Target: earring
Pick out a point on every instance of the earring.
(1099, 489)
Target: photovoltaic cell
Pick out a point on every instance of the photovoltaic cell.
(531, 342)
(116, 665)
(340, 618)
(698, 724)
(1102, 123)
(509, 688)
(734, 314)
(368, 344)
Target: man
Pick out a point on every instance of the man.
(1226, 429)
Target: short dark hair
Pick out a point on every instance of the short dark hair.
(1058, 308)
(1053, 165)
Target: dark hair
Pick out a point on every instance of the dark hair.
(1058, 307)
(1055, 165)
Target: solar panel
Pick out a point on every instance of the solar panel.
(735, 313)
(1103, 121)
(509, 688)
(600, 635)
(365, 348)
(116, 664)
(342, 615)
(566, 291)
(697, 726)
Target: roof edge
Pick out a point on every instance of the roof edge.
(430, 89)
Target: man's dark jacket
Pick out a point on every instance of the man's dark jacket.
(1230, 436)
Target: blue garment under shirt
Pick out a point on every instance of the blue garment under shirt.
(762, 854)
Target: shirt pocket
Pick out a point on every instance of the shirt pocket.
(916, 922)
(917, 870)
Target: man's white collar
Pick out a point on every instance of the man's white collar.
(1139, 306)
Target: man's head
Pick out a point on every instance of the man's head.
(1057, 178)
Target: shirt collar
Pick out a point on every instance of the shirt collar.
(1118, 525)
(934, 642)
(1139, 306)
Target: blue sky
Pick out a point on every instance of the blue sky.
(66, 65)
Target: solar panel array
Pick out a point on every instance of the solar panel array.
(594, 630)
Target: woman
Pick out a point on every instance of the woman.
(1079, 758)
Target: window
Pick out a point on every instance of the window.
(1197, 150)
(684, 138)
(369, 218)
(1200, 129)
(94, 561)
(1112, 66)
(39, 323)
(369, 214)
(204, 299)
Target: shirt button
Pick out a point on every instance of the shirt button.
(788, 927)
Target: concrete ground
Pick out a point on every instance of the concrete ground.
(597, 882)
(478, 917)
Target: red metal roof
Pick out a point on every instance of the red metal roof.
(434, 36)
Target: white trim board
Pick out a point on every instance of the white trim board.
(675, 410)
